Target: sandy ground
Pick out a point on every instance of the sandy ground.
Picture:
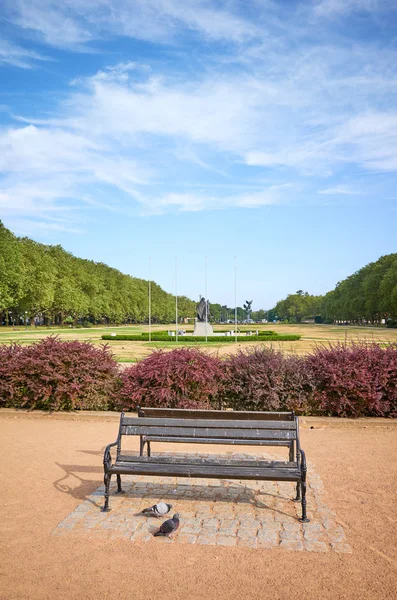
(51, 463)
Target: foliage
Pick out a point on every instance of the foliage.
(354, 380)
(210, 339)
(267, 332)
(342, 380)
(57, 375)
(183, 378)
(47, 281)
(297, 307)
(369, 295)
(267, 380)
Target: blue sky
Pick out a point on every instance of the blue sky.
(265, 130)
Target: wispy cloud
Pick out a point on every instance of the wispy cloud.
(18, 56)
(72, 23)
(339, 191)
(336, 8)
(280, 108)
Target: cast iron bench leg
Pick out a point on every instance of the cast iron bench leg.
(106, 481)
(119, 488)
(302, 484)
(298, 493)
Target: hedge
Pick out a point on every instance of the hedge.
(56, 375)
(144, 337)
(183, 378)
(346, 380)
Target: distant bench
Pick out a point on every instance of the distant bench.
(210, 427)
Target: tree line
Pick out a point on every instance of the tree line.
(367, 296)
(51, 286)
(48, 285)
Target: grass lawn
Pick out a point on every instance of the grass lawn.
(127, 351)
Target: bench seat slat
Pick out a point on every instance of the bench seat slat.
(207, 471)
(209, 460)
(206, 432)
(212, 423)
(237, 442)
(216, 414)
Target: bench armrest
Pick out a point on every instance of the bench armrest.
(107, 457)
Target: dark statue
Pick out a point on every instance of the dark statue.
(247, 308)
(201, 310)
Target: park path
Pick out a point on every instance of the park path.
(53, 464)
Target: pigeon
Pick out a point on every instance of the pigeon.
(157, 510)
(168, 527)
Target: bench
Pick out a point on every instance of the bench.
(218, 427)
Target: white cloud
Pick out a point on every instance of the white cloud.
(336, 8)
(339, 191)
(72, 23)
(17, 56)
(280, 108)
(194, 202)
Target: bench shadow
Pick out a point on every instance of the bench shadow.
(85, 489)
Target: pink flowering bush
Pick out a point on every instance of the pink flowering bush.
(266, 380)
(354, 380)
(57, 375)
(183, 378)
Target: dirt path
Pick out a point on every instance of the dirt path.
(50, 464)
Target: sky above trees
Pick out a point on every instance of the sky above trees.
(261, 129)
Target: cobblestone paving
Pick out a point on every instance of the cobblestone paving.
(255, 514)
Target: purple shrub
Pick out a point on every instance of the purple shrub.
(58, 375)
(183, 378)
(264, 379)
(354, 380)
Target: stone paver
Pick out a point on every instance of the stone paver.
(249, 514)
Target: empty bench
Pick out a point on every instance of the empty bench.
(210, 427)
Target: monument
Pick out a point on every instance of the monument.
(247, 308)
(201, 326)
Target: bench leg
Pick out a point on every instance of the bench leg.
(106, 481)
(302, 484)
(304, 518)
(298, 493)
(119, 488)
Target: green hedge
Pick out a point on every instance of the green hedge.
(155, 337)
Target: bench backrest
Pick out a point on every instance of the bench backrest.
(204, 425)
(215, 414)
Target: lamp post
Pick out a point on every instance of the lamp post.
(206, 303)
(235, 300)
(150, 303)
(176, 299)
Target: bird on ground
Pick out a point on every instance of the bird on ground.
(157, 510)
(168, 527)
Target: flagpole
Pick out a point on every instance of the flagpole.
(235, 300)
(176, 298)
(150, 302)
(206, 303)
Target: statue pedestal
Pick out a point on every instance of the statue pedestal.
(203, 329)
